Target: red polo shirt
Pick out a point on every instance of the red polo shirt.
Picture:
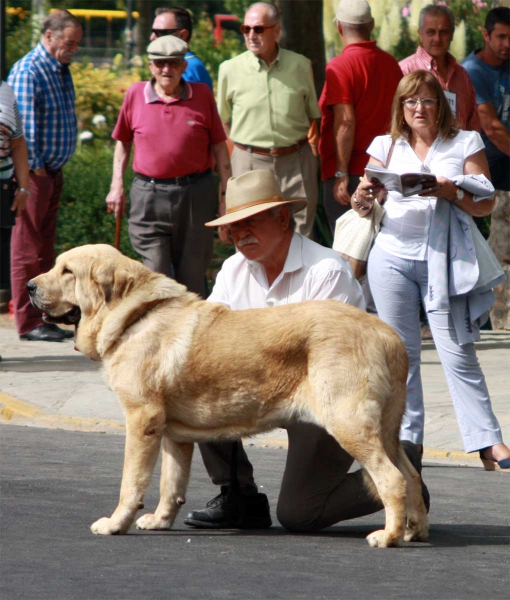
(171, 138)
(367, 78)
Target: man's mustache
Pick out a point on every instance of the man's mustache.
(251, 239)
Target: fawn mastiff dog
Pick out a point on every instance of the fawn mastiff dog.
(186, 371)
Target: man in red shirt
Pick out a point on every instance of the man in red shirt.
(436, 28)
(355, 105)
(176, 130)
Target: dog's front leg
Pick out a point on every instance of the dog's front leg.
(175, 469)
(143, 440)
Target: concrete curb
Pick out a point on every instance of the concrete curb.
(17, 412)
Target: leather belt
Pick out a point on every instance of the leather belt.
(184, 180)
(273, 151)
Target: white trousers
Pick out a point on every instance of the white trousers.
(397, 286)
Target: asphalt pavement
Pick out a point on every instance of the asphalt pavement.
(61, 445)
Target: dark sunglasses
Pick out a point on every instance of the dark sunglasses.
(160, 32)
(258, 29)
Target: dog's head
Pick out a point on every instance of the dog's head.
(101, 292)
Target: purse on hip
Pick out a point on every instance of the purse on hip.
(8, 188)
(354, 235)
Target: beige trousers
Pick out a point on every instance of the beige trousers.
(296, 174)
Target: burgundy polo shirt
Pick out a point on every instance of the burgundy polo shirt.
(171, 138)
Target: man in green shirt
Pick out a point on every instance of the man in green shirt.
(267, 102)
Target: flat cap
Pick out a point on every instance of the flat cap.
(167, 46)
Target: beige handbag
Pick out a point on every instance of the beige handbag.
(354, 235)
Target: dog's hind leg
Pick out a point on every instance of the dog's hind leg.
(417, 522)
(175, 470)
(388, 480)
(143, 440)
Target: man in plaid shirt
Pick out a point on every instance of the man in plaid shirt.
(44, 90)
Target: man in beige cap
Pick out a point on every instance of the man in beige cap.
(175, 128)
(267, 102)
(355, 103)
(276, 266)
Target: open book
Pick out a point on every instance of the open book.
(408, 184)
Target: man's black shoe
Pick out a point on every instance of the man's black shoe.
(67, 333)
(43, 333)
(239, 512)
(414, 455)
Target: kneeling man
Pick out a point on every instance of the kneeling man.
(275, 266)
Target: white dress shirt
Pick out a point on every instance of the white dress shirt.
(406, 224)
(311, 272)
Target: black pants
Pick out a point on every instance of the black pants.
(317, 490)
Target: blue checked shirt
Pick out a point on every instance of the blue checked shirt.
(45, 93)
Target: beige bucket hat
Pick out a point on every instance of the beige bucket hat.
(252, 193)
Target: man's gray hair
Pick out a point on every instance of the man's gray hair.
(436, 10)
(272, 10)
(276, 210)
(60, 19)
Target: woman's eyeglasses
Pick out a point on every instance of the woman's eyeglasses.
(160, 32)
(411, 104)
(258, 29)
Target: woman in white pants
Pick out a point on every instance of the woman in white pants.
(429, 250)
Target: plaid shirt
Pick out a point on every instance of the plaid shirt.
(45, 93)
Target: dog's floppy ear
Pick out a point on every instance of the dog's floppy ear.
(112, 282)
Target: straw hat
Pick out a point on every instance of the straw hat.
(252, 193)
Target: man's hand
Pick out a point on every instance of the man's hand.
(41, 172)
(20, 201)
(116, 202)
(340, 191)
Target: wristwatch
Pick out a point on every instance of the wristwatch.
(459, 194)
(22, 189)
(340, 174)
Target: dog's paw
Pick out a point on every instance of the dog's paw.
(106, 526)
(152, 522)
(382, 539)
(416, 532)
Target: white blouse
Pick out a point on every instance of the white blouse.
(406, 223)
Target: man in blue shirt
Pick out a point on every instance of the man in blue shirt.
(177, 21)
(44, 90)
(489, 70)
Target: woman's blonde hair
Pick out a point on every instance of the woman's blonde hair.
(408, 86)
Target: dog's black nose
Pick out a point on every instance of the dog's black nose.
(31, 287)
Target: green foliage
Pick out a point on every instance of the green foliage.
(238, 7)
(18, 30)
(82, 218)
(212, 54)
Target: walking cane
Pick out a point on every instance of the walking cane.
(118, 225)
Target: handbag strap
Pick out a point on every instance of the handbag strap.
(388, 158)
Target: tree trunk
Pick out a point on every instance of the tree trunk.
(302, 32)
(499, 241)
(143, 28)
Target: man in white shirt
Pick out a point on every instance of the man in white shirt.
(276, 266)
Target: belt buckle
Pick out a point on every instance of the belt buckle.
(273, 151)
(182, 180)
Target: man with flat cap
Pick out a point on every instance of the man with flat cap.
(274, 266)
(175, 128)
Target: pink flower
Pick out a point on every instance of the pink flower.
(406, 11)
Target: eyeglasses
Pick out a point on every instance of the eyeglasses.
(411, 104)
(258, 29)
(160, 32)
(173, 63)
